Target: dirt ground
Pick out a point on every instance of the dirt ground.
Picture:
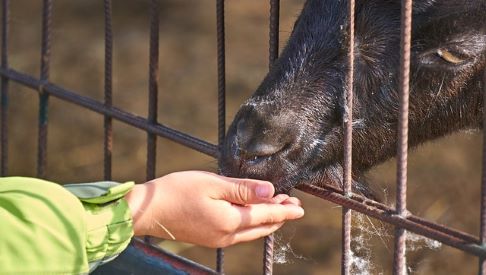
(444, 175)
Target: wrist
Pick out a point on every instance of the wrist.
(137, 200)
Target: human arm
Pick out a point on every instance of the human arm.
(48, 229)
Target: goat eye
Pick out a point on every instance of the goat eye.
(450, 57)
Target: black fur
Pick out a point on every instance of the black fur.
(290, 130)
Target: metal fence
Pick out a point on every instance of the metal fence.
(398, 216)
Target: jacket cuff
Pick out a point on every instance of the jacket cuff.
(108, 219)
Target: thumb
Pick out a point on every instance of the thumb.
(247, 191)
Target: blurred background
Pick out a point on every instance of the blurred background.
(444, 175)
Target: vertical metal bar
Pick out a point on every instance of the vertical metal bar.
(44, 96)
(274, 31)
(399, 266)
(220, 33)
(4, 97)
(348, 145)
(153, 90)
(268, 241)
(108, 125)
(221, 71)
(482, 237)
(153, 86)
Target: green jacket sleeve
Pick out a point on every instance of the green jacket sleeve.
(50, 229)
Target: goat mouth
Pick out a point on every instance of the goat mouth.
(256, 161)
(286, 180)
(288, 168)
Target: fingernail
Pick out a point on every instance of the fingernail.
(263, 191)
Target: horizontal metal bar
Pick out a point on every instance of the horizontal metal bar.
(143, 258)
(176, 261)
(96, 106)
(448, 236)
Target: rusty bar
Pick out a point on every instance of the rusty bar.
(381, 207)
(220, 260)
(185, 266)
(123, 116)
(482, 236)
(221, 71)
(220, 39)
(4, 96)
(268, 242)
(108, 125)
(153, 86)
(274, 31)
(153, 91)
(43, 96)
(348, 146)
(399, 265)
(384, 213)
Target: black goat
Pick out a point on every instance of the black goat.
(290, 130)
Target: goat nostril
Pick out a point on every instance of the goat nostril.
(258, 137)
(254, 159)
(257, 150)
(261, 149)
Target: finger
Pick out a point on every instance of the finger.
(259, 214)
(280, 198)
(292, 200)
(254, 233)
(245, 191)
(237, 190)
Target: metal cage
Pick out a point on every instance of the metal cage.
(398, 216)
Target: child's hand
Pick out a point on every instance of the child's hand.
(209, 210)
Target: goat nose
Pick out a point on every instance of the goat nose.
(258, 139)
